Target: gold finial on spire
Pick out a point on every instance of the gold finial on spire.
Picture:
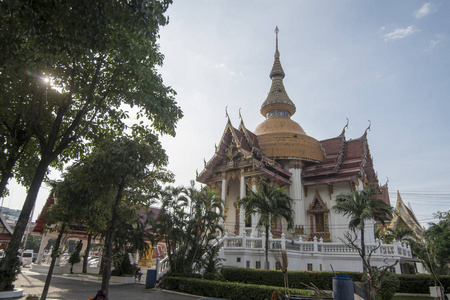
(276, 33)
(226, 113)
(240, 117)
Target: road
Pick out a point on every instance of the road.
(63, 288)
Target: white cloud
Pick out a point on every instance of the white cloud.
(437, 39)
(400, 33)
(425, 10)
(226, 69)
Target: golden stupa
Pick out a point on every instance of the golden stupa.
(279, 136)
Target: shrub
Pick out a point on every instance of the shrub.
(74, 259)
(11, 274)
(323, 280)
(389, 285)
(228, 290)
(419, 283)
(209, 276)
(122, 266)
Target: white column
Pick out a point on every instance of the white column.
(224, 196)
(44, 242)
(369, 233)
(296, 193)
(255, 216)
(242, 194)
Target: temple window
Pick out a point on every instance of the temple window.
(318, 215)
(278, 113)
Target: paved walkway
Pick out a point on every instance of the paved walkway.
(75, 289)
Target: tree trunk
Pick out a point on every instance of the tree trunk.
(372, 292)
(86, 253)
(52, 264)
(21, 225)
(107, 258)
(267, 248)
(363, 248)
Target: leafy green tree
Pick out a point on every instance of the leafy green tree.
(271, 204)
(134, 236)
(362, 206)
(33, 243)
(100, 59)
(74, 259)
(359, 207)
(188, 223)
(434, 250)
(129, 172)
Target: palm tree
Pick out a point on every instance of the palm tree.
(361, 206)
(271, 204)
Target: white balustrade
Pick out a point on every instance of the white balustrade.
(315, 246)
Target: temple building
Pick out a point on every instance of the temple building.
(313, 173)
(404, 217)
(280, 151)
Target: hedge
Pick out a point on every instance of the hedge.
(323, 280)
(221, 289)
(416, 284)
(419, 283)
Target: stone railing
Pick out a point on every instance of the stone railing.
(315, 246)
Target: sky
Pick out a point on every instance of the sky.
(383, 61)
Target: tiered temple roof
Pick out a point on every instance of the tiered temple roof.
(344, 161)
(404, 217)
(244, 144)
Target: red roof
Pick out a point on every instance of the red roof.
(42, 219)
(77, 228)
(344, 161)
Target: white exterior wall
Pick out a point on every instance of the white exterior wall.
(296, 193)
(242, 211)
(338, 224)
(233, 190)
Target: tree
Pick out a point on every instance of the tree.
(134, 236)
(121, 173)
(359, 207)
(33, 243)
(373, 275)
(188, 223)
(271, 204)
(74, 259)
(100, 58)
(434, 250)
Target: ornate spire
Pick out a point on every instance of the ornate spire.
(277, 99)
(277, 70)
